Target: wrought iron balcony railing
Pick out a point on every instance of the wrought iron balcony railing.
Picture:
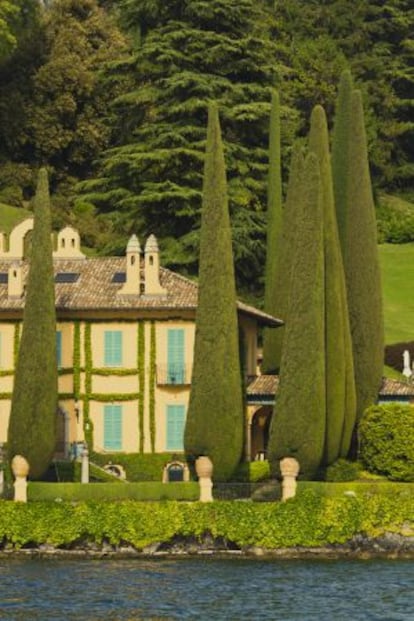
(168, 374)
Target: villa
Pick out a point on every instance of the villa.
(125, 337)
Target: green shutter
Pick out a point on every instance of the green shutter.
(175, 427)
(112, 427)
(113, 348)
(175, 366)
(59, 348)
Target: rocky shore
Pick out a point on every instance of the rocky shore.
(389, 545)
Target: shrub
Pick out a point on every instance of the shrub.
(252, 471)
(342, 470)
(386, 436)
(112, 491)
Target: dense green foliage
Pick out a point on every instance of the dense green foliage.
(339, 368)
(342, 470)
(67, 63)
(271, 340)
(215, 417)
(309, 520)
(32, 426)
(151, 178)
(357, 229)
(386, 438)
(375, 39)
(395, 218)
(298, 424)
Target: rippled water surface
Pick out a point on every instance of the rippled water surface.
(207, 589)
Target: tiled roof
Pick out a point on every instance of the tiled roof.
(263, 385)
(267, 385)
(95, 290)
(392, 387)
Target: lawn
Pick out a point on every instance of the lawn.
(10, 216)
(397, 264)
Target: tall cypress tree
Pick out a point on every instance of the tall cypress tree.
(286, 252)
(356, 218)
(214, 425)
(271, 340)
(32, 426)
(299, 425)
(339, 370)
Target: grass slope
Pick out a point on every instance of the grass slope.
(397, 265)
(11, 216)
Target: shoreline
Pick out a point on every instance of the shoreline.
(389, 546)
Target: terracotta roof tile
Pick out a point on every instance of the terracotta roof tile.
(95, 290)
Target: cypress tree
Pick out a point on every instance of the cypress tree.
(32, 426)
(298, 424)
(340, 161)
(286, 253)
(271, 340)
(339, 370)
(214, 425)
(356, 217)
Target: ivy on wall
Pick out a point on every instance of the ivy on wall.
(87, 423)
(152, 378)
(76, 360)
(16, 342)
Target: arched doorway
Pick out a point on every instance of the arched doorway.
(259, 429)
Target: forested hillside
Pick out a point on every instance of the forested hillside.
(112, 97)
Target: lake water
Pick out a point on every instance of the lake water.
(204, 589)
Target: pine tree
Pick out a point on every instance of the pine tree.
(271, 341)
(191, 53)
(32, 426)
(356, 218)
(298, 424)
(214, 425)
(339, 370)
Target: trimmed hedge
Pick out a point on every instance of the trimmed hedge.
(309, 520)
(138, 466)
(112, 491)
(342, 470)
(386, 435)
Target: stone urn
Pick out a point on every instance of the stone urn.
(204, 467)
(289, 467)
(20, 466)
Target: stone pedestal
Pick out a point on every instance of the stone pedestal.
(289, 467)
(20, 469)
(85, 466)
(204, 470)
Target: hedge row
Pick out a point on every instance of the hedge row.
(308, 520)
(112, 491)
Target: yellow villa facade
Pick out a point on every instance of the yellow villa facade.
(125, 338)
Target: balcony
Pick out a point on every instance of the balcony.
(173, 375)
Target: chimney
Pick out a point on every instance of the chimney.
(15, 281)
(152, 268)
(132, 282)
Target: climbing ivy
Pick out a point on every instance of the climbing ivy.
(87, 423)
(141, 379)
(76, 360)
(16, 342)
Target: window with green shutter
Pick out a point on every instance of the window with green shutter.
(175, 427)
(59, 348)
(175, 356)
(113, 348)
(112, 427)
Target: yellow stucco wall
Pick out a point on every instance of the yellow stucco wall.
(115, 384)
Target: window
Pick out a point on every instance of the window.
(175, 427)
(175, 353)
(113, 348)
(59, 348)
(112, 427)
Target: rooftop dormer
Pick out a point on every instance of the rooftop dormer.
(68, 244)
